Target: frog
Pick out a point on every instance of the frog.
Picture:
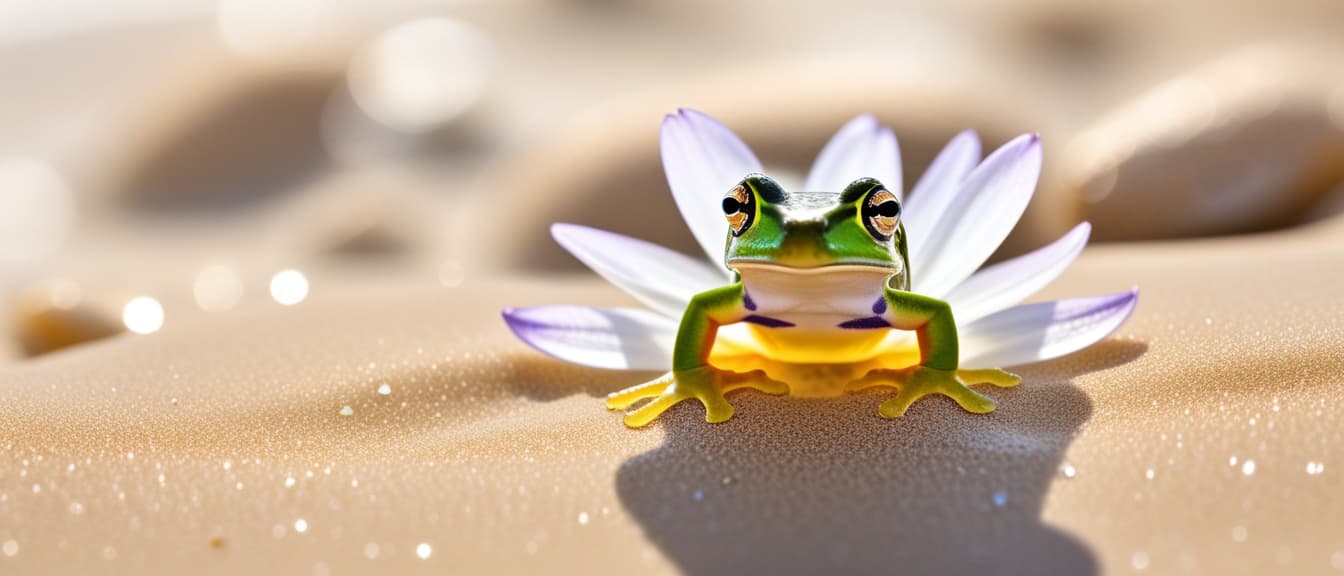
(821, 285)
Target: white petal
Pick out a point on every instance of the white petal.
(703, 159)
(1007, 283)
(615, 338)
(1045, 330)
(861, 148)
(985, 208)
(661, 278)
(935, 190)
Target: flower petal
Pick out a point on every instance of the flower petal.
(703, 159)
(661, 278)
(861, 148)
(1045, 330)
(935, 190)
(615, 338)
(1007, 283)
(987, 206)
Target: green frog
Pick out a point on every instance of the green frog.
(822, 288)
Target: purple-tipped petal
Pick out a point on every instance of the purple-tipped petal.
(985, 208)
(861, 148)
(614, 338)
(1007, 283)
(663, 279)
(1035, 332)
(703, 159)
(935, 190)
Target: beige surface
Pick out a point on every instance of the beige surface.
(173, 453)
(495, 456)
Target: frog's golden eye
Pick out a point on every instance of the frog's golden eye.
(740, 208)
(881, 214)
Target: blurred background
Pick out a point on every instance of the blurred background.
(162, 161)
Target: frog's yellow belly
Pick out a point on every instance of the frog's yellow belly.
(813, 329)
(813, 362)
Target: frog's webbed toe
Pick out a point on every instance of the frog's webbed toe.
(622, 399)
(918, 382)
(999, 378)
(706, 384)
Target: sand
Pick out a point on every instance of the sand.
(390, 423)
(1186, 443)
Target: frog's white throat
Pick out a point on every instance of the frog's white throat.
(817, 298)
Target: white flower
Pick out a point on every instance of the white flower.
(956, 216)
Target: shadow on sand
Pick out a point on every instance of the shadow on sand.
(802, 486)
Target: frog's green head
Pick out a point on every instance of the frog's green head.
(859, 226)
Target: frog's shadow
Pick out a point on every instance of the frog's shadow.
(799, 486)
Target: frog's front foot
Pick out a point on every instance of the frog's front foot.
(706, 384)
(919, 381)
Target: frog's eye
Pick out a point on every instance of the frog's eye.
(881, 214)
(739, 207)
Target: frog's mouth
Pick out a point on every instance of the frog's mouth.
(846, 265)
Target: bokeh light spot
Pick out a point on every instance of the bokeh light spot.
(143, 315)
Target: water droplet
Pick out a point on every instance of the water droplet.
(289, 287)
(385, 389)
(1232, 461)
(727, 480)
(583, 518)
(423, 550)
(1068, 470)
(11, 547)
(1149, 474)
(289, 482)
(1248, 467)
(76, 508)
(228, 464)
(142, 315)
(1139, 560)
(698, 495)
(1315, 468)
(371, 550)
(300, 525)
(1239, 533)
(346, 411)
(1000, 499)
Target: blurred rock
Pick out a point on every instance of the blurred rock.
(1245, 143)
(231, 131)
(53, 316)
(361, 215)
